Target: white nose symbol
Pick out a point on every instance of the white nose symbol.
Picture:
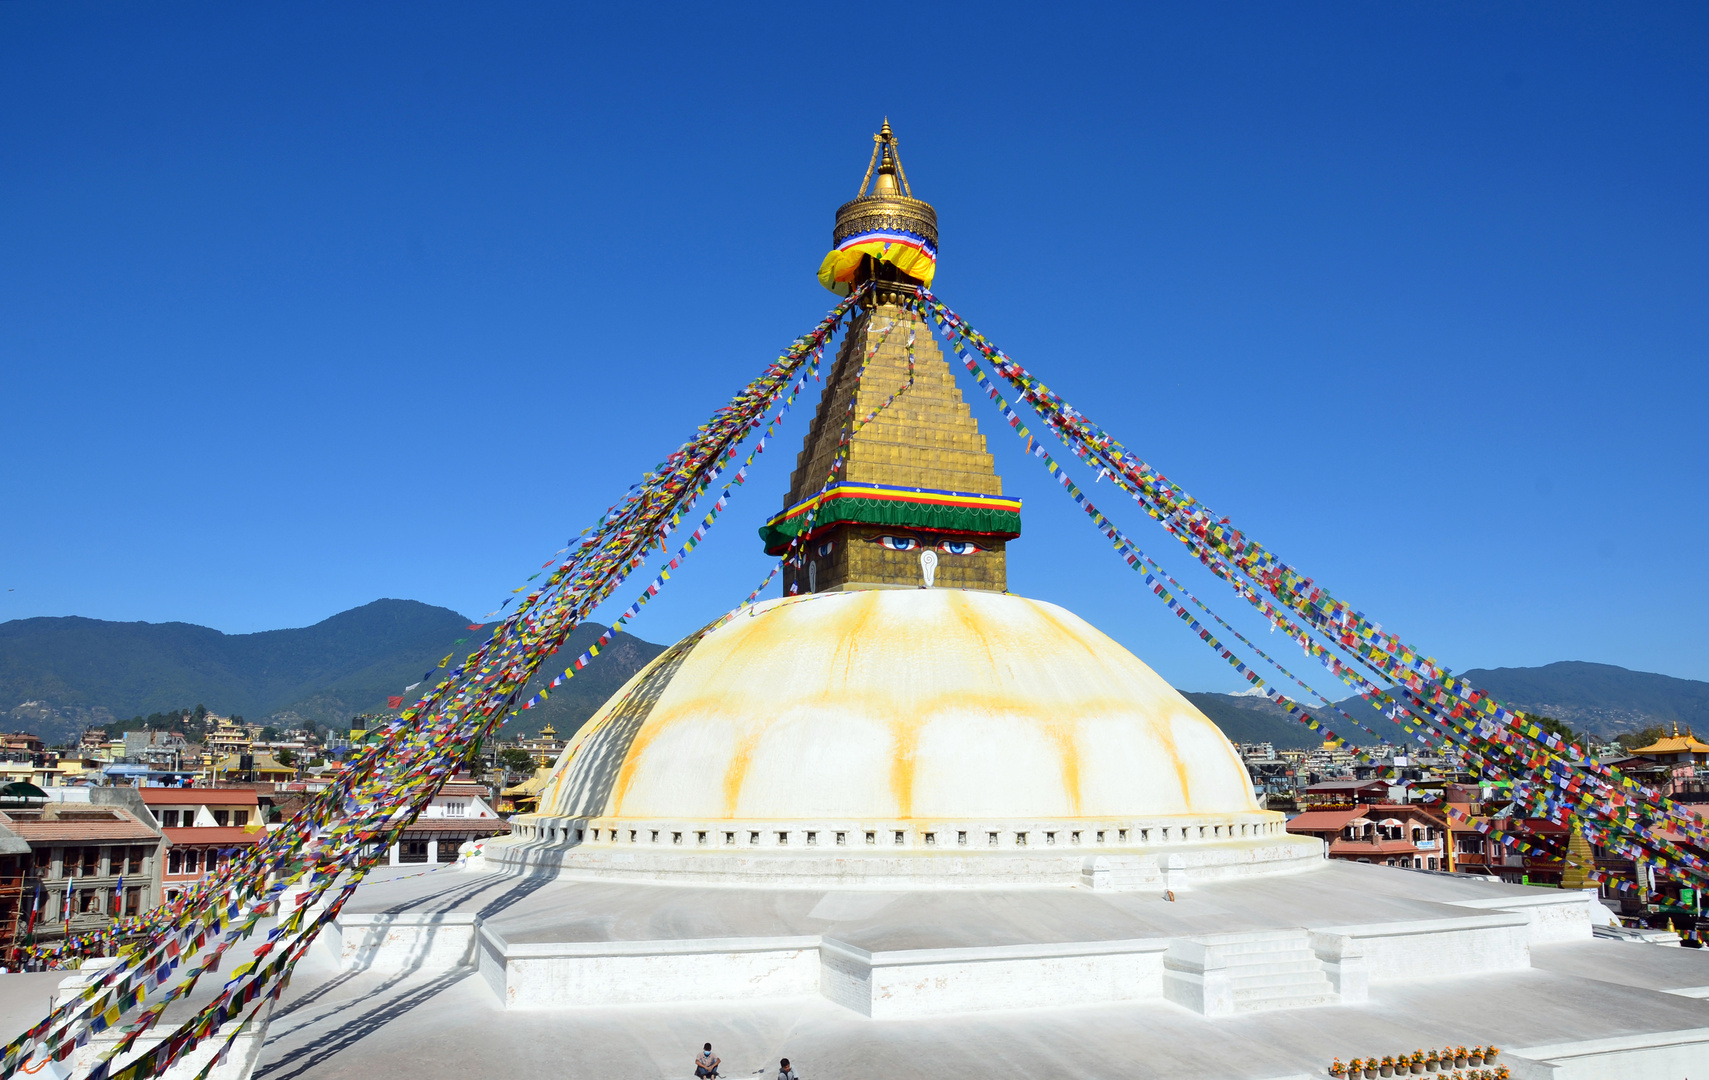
(928, 566)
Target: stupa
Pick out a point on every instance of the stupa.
(898, 717)
(901, 822)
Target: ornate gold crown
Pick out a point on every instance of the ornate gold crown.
(891, 206)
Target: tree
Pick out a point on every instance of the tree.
(269, 734)
(285, 757)
(1631, 740)
(516, 759)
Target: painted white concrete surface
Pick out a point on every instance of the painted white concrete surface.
(405, 941)
(336, 1025)
(1314, 939)
(1596, 1008)
(571, 974)
(933, 982)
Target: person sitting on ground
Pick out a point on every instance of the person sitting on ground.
(784, 1072)
(707, 1063)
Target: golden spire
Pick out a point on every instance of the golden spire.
(892, 178)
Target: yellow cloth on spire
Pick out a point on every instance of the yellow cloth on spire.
(908, 254)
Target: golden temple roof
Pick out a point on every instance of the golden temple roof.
(1675, 744)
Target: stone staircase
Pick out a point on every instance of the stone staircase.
(1223, 974)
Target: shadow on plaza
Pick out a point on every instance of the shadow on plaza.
(520, 889)
(359, 1027)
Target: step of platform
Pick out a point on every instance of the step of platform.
(1254, 972)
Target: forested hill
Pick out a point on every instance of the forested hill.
(59, 675)
(1601, 699)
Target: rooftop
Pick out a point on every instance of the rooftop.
(80, 825)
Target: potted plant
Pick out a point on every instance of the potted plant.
(1502, 1072)
(1459, 1057)
(1476, 1057)
(1416, 1061)
(1386, 1068)
(1490, 1053)
(1371, 1067)
(1430, 1063)
(1338, 1070)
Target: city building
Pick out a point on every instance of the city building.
(544, 748)
(161, 749)
(1389, 834)
(1677, 751)
(1344, 793)
(21, 742)
(73, 865)
(459, 812)
(204, 827)
(249, 766)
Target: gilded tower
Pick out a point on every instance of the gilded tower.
(893, 486)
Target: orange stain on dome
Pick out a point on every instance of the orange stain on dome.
(903, 659)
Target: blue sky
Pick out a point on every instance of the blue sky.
(303, 305)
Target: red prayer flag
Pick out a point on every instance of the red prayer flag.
(395, 702)
(476, 626)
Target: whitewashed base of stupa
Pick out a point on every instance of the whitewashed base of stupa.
(412, 1001)
(240, 1060)
(1320, 937)
(886, 855)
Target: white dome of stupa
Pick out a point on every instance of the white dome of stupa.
(907, 725)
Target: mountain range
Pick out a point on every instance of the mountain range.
(60, 675)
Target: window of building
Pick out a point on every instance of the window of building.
(456, 807)
(44, 862)
(192, 861)
(175, 861)
(88, 901)
(169, 819)
(133, 900)
(91, 861)
(137, 856)
(220, 817)
(240, 818)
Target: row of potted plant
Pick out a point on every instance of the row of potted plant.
(1421, 1061)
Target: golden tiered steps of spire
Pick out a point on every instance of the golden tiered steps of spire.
(926, 438)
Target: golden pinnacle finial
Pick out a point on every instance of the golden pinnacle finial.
(892, 178)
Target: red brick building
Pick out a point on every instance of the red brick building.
(204, 827)
(1388, 834)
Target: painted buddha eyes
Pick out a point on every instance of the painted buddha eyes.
(948, 547)
(826, 548)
